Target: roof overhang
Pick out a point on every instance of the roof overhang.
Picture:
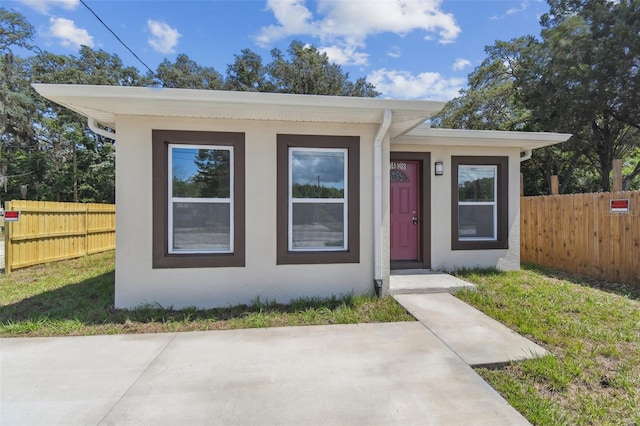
(526, 141)
(106, 103)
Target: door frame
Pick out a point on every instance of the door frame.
(424, 189)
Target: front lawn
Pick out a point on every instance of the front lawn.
(594, 333)
(593, 330)
(75, 297)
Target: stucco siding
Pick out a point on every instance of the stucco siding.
(442, 256)
(138, 283)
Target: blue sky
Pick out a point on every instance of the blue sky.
(409, 49)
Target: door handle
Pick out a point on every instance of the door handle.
(414, 220)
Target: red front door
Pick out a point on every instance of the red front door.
(405, 211)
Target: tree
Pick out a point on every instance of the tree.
(494, 101)
(185, 73)
(50, 151)
(248, 74)
(18, 105)
(576, 78)
(585, 64)
(214, 176)
(307, 71)
(81, 163)
(491, 101)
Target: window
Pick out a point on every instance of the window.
(479, 203)
(198, 199)
(318, 199)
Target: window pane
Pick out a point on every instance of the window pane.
(200, 173)
(318, 225)
(476, 183)
(398, 176)
(202, 227)
(476, 222)
(317, 174)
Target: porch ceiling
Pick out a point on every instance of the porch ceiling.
(106, 103)
(425, 135)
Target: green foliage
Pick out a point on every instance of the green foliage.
(307, 71)
(492, 101)
(214, 175)
(15, 31)
(185, 73)
(580, 76)
(315, 191)
(477, 190)
(49, 151)
(248, 74)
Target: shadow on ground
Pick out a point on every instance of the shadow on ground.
(91, 303)
(585, 281)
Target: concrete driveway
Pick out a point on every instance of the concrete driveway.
(365, 374)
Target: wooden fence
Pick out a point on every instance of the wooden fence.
(50, 231)
(579, 233)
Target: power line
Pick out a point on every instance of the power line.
(118, 38)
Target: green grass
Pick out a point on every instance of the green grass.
(591, 328)
(75, 297)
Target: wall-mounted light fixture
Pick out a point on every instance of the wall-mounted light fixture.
(439, 168)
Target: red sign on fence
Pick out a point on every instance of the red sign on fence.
(620, 206)
(11, 216)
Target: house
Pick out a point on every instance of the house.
(226, 196)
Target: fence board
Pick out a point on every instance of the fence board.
(50, 231)
(578, 233)
(635, 239)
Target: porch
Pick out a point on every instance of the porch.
(424, 281)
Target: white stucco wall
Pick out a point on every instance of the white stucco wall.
(138, 283)
(442, 257)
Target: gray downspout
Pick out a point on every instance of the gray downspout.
(377, 200)
(93, 125)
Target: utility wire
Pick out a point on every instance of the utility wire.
(118, 38)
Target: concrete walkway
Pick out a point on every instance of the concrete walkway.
(386, 374)
(477, 338)
(424, 281)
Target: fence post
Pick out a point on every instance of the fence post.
(86, 228)
(7, 242)
(521, 185)
(617, 175)
(555, 186)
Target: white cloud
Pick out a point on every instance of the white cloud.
(345, 55)
(461, 64)
(164, 38)
(523, 6)
(395, 52)
(68, 33)
(293, 17)
(343, 26)
(404, 85)
(513, 11)
(43, 6)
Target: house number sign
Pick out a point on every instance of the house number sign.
(398, 165)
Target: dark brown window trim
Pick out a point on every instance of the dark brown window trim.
(160, 151)
(502, 241)
(425, 204)
(352, 254)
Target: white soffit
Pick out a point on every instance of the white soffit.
(105, 103)
(424, 135)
